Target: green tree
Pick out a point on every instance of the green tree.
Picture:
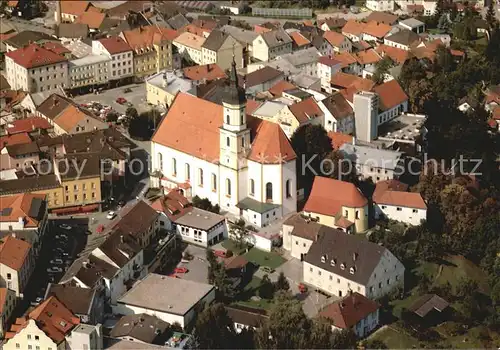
(131, 112)
(238, 232)
(214, 328)
(344, 339)
(205, 204)
(266, 288)
(226, 289)
(282, 283)
(490, 17)
(321, 331)
(143, 126)
(213, 265)
(381, 69)
(412, 70)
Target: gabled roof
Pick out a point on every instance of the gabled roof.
(277, 89)
(206, 72)
(334, 38)
(215, 40)
(328, 61)
(399, 56)
(306, 110)
(376, 29)
(147, 36)
(14, 252)
(328, 196)
(27, 206)
(390, 94)
(190, 40)
(77, 299)
(27, 37)
(333, 22)
(392, 192)
(369, 56)
(173, 204)
(92, 19)
(347, 312)
(15, 139)
(142, 327)
(353, 27)
(338, 106)
(276, 38)
(115, 45)
(75, 8)
(33, 56)
(404, 37)
(270, 144)
(178, 21)
(260, 76)
(4, 292)
(382, 17)
(299, 39)
(338, 139)
(137, 220)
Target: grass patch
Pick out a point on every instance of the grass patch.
(232, 245)
(250, 290)
(394, 339)
(262, 258)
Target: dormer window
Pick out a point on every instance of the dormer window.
(352, 270)
(324, 258)
(333, 262)
(342, 266)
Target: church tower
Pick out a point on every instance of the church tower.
(234, 134)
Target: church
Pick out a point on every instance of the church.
(244, 164)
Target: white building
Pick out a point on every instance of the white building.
(246, 318)
(391, 200)
(327, 67)
(269, 45)
(220, 48)
(216, 158)
(85, 336)
(190, 46)
(170, 299)
(339, 115)
(35, 69)
(299, 232)
(7, 304)
(380, 5)
(120, 53)
(17, 262)
(339, 263)
(89, 70)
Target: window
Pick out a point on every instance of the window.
(18, 346)
(252, 187)
(242, 118)
(228, 119)
(288, 188)
(9, 276)
(174, 167)
(228, 142)
(75, 187)
(160, 161)
(331, 278)
(214, 182)
(188, 171)
(269, 191)
(380, 284)
(30, 347)
(346, 213)
(399, 209)
(243, 141)
(310, 269)
(29, 336)
(357, 214)
(415, 210)
(228, 187)
(319, 272)
(296, 242)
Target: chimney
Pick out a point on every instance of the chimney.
(58, 12)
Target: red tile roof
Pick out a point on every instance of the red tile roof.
(191, 28)
(115, 44)
(390, 94)
(299, 39)
(20, 206)
(353, 27)
(280, 86)
(344, 80)
(13, 252)
(306, 110)
(378, 30)
(328, 61)
(3, 298)
(173, 204)
(394, 193)
(32, 56)
(270, 144)
(208, 72)
(368, 57)
(338, 139)
(252, 105)
(334, 38)
(328, 196)
(15, 139)
(56, 48)
(75, 8)
(143, 37)
(27, 125)
(382, 17)
(91, 18)
(347, 312)
(399, 56)
(345, 58)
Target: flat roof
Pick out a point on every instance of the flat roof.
(371, 156)
(256, 206)
(90, 59)
(78, 48)
(405, 127)
(269, 109)
(166, 294)
(412, 22)
(200, 219)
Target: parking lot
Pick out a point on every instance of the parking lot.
(198, 267)
(137, 97)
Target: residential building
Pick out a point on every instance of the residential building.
(339, 115)
(245, 317)
(355, 312)
(269, 45)
(152, 49)
(380, 5)
(71, 10)
(86, 303)
(377, 164)
(304, 61)
(26, 38)
(221, 48)
(142, 329)
(16, 264)
(339, 42)
(290, 118)
(386, 17)
(300, 42)
(114, 266)
(35, 69)
(170, 299)
(7, 304)
(339, 264)
(190, 46)
(402, 39)
(96, 21)
(204, 73)
(347, 208)
(327, 67)
(245, 38)
(161, 88)
(225, 164)
(27, 125)
(140, 222)
(332, 23)
(413, 24)
(25, 212)
(375, 31)
(85, 336)
(19, 156)
(353, 30)
(89, 71)
(392, 200)
(121, 64)
(201, 227)
(260, 80)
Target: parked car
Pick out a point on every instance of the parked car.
(54, 269)
(56, 261)
(181, 270)
(267, 269)
(63, 237)
(37, 301)
(220, 253)
(121, 100)
(127, 90)
(111, 215)
(302, 288)
(65, 227)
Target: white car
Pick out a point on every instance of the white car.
(111, 215)
(65, 227)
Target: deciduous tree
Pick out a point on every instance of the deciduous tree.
(214, 328)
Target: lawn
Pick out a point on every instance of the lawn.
(250, 290)
(262, 258)
(231, 245)
(394, 339)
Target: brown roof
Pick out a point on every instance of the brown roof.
(247, 315)
(397, 55)
(70, 117)
(137, 219)
(33, 56)
(75, 8)
(55, 47)
(347, 312)
(392, 192)
(14, 252)
(15, 139)
(390, 94)
(349, 251)
(142, 327)
(345, 58)
(328, 61)
(353, 27)
(338, 139)
(305, 227)
(235, 262)
(143, 37)
(270, 144)
(404, 37)
(22, 149)
(28, 206)
(333, 22)
(382, 17)
(344, 80)
(376, 29)
(306, 110)
(334, 38)
(299, 39)
(91, 18)
(3, 297)
(115, 44)
(338, 106)
(260, 76)
(77, 299)
(208, 72)
(328, 196)
(191, 28)
(278, 88)
(252, 105)
(173, 204)
(53, 106)
(415, 8)
(120, 248)
(427, 303)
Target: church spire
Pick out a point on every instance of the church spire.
(234, 94)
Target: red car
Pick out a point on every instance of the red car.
(180, 270)
(220, 253)
(302, 288)
(121, 100)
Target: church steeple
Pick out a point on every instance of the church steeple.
(234, 94)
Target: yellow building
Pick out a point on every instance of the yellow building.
(152, 48)
(337, 204)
